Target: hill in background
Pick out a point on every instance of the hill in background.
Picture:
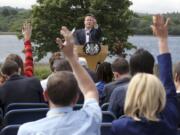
(11, 20)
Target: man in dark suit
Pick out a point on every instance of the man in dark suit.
(18, 88)
(91, 32)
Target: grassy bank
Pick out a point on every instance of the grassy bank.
(41, 71)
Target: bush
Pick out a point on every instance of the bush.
(42, 71)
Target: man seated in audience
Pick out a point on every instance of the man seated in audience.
(55, 56)
(120, 68)
(177, 84)
(18, 88)
(62, 93)
(177, 77)
(141, 61)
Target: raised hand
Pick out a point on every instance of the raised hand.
(160, 30)
(26, 31)
(68, 46)
(160, 27)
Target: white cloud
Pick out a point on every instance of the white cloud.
(156, 6)
(18, 3)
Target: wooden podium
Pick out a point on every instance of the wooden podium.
(92, 60)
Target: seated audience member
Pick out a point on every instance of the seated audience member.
(18, 88)
(104, 76)
(141, 61)
(177, 78)
(177, 84)
(62, 94)
(83, 62)
(120, 69)
(26, 69)
(150, 108)
(58, 64)
(2, 79)
(55, 56)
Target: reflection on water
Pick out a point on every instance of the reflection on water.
(10, 44)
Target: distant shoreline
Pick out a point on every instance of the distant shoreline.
(15, 33)
(8, 33)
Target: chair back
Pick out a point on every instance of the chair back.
(104, 107)
(178, 131)
(10, 130)
(105, 128)
(108, 116)
(21, 116)
(77, 107)
(14, 106)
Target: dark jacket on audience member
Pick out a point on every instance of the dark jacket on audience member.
(20, 89)
(109, 88)
(117, 99)
(178, 105)
(167, 125)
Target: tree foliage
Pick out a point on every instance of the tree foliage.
(11, 19)
(113, 16)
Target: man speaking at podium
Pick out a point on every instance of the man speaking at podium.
(91, 32)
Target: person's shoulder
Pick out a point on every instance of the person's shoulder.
(79, 30)
(110, 84)
(120, 88)
(92, 108)
(30, 127)
(122, 122)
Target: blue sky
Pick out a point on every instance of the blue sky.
(143, 6)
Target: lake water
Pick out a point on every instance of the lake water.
(10, 44)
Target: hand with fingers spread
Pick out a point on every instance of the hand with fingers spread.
(68, 46)
(27, 30)
(160, 27)
(160, 30)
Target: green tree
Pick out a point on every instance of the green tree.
(5, 12)
(113, 16)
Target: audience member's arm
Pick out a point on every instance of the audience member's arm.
(28, 64)
(86, 84)
(160, 29)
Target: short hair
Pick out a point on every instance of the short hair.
(9, 67)
(142, 89)
(104, 72)
(120, 65)
(61, 65)
(18, 60)
(89, 14)
(55, 56)
(177, 72)
(62, 88)
(141, 61)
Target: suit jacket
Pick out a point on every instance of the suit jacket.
(108, 89)
(117, 99)
(80, 36)
(20, 89)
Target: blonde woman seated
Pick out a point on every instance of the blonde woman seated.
(150, 108)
